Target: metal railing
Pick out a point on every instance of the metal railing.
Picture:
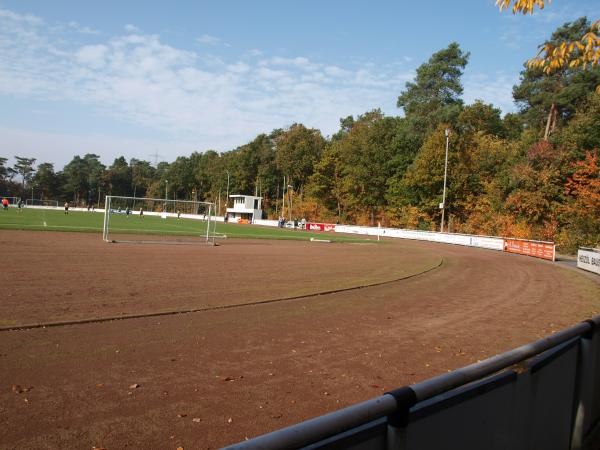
(550, 400)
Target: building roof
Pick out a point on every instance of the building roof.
(240, 195)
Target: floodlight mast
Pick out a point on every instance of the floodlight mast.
(166, 193)
(227, 198)
(443, 204)
(291, 199)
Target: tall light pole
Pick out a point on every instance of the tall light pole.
(443, 204)
(291, 197)
(166, 193)
(227, 198)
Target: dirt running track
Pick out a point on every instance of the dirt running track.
(210, 378)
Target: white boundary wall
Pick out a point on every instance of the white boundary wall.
(489, 242)
(589, 259)
(468, 240)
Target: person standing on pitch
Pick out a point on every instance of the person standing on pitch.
(5, 204)
(66, 207)
(141, 213)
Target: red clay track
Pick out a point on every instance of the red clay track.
(211, 378)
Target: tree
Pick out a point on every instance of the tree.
(434, 96)
(118, 177)
(3, 169)
(207, 173)
(47, 181)
(326, 183)
(6, 175)
(252, 166)
(180, 176)
(582, 227)
(24, 167)
(297, 151)
(422, 185)
(368, 160)
(82, 177)
(547, 100)
(582, 133)
(142, 174)
(481, 117)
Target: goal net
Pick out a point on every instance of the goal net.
(133, 219)
(40, 202)
(11, 200)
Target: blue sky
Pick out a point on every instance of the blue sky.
(135, 78)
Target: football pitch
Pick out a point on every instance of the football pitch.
(92, 222)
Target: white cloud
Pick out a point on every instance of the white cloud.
(132, 28)
(15, 17)
(92, 55)
(208, 40)
(198, 100)
(82, 29)
(496, 89)
(335, 71)
(255, 52)
(238, 67)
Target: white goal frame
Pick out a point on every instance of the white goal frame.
(210, 217)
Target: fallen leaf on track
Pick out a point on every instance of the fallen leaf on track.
(18, 389)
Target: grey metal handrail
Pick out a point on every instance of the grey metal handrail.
(316, 429)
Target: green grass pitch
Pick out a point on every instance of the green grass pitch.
(92, 222)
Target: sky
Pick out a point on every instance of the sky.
(157, 80)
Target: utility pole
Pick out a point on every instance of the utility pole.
(443, 204)
(291, 199)
(156, 156)
(166, 193)
(227, 198)
(283, 199)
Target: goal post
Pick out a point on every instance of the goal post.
(141, 219)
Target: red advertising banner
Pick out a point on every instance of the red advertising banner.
(320, 227)
(544, 250)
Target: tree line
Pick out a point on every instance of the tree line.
(530, 174)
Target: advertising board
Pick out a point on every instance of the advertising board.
(537, 249)
(589, 259)
(320, 227)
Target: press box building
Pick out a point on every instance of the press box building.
(245, 207)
